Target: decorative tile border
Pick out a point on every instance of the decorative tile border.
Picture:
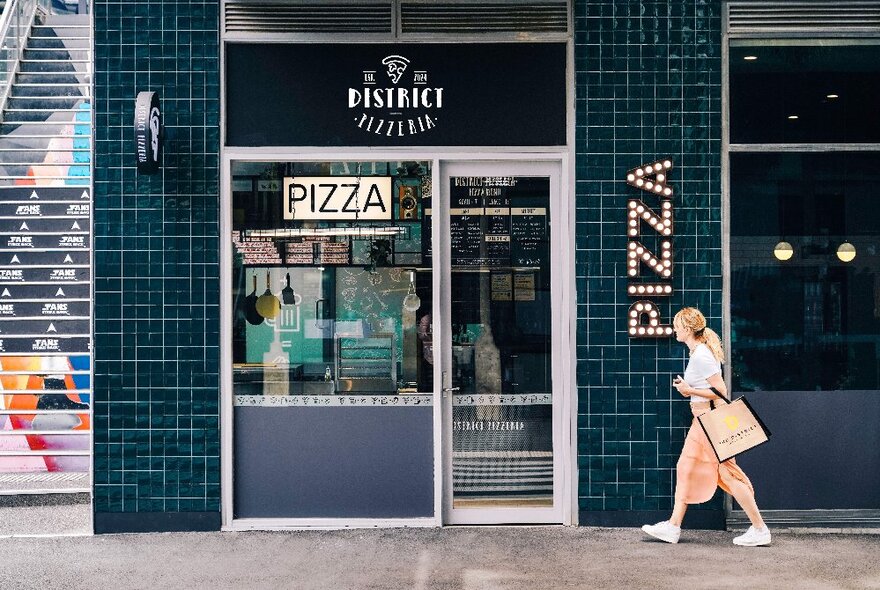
(333, 401)
(518, 399)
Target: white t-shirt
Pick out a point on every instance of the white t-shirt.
(700, 367)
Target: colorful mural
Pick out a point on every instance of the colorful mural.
(68, 155)
(44, 414)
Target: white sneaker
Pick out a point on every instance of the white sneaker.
(753, 537)
(665, 531)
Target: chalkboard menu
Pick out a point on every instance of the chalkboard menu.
(45, 281)
(499, 221)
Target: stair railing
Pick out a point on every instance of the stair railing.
(15, 26)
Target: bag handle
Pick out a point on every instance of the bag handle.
(718, 393)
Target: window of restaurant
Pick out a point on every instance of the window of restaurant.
(804, 256)
(332, 300)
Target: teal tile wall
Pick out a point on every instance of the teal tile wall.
(648, 85)
(157, 447)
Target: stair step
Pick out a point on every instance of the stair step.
(57, 43)
(53, 68)
(32, 136)
(71, 25)
(66, 61)
(46, 110)
(61, 37)
(61, 20)
(45, 150)
(24, 97)
(56, 123)
(45, 91)
(28, 84)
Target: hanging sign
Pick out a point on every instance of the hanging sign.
(148, 132)
(337, 198)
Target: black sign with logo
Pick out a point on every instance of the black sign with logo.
(148, 132)
(501, 94)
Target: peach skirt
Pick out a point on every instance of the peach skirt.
(698, 471)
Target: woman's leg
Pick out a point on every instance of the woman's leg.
(745, 498)
(678, 513)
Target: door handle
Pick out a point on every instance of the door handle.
(446, 390)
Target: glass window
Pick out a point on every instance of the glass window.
(332, 278)
(805, 271)
(786, 93)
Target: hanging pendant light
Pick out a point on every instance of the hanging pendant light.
(783, 251)
(412, 302)
(846, 252)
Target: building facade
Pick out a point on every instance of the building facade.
(382, 276)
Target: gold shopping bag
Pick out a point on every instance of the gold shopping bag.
(733, 428)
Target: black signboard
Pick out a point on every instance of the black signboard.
(484, 94)
(45, 280)
(499, 221)
(44, 345)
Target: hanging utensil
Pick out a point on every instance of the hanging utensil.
(288, 296)
(268, 305)
(250, 307)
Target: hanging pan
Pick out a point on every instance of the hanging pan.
(250, 307)
(268, 305)
(288, 296)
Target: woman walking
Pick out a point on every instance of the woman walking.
(698, 471)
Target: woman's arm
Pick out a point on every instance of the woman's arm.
(716, 381)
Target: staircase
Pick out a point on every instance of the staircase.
(45, 130)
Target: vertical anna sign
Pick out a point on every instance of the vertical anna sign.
(643, 319)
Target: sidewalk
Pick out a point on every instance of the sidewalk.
(470, 558)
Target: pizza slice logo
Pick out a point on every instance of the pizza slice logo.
(396, 65)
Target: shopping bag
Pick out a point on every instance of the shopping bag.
(733, 428)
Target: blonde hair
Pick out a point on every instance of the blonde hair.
(692, 319)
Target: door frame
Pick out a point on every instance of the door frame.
(561, 318)
(565, 331)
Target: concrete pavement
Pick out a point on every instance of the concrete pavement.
(471, 558)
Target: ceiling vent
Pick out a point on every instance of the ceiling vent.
(470, 18)
(394, 19)
(803, 18)
(309, 18)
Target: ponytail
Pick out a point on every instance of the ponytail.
(713, 342)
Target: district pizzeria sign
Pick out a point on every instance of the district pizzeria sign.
(398, 103)
(643, 319)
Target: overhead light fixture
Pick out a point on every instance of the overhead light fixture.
(832, 96)
(750, 57)
(792, 117)
(783, 251)
(846, 252)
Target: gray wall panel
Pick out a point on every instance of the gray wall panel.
(364, 462)
(823, 452)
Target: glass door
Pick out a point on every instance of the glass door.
(500, 359)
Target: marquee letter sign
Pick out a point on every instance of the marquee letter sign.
(643, 320)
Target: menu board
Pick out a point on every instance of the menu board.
(45, 276)
(499, 221)
(314, 251)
